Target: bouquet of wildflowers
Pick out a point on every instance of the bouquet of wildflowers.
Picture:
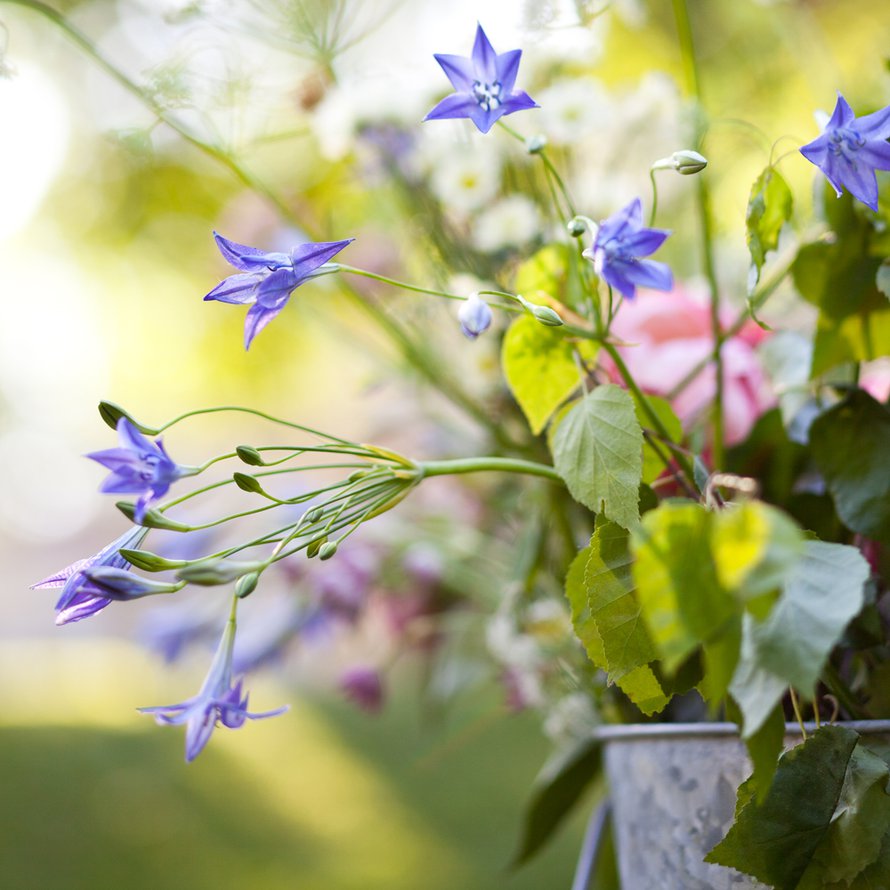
(686, 500)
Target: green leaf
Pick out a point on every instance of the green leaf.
(775, 841)
(546, 270)
(653, 465)
(850, 444)
(862, 337)
(822, 594)
(540, 368)
(754, 546)
(612, 602)
(769, 208)
(556, 790)
(860, 821)
(643, 688)
(882, 279)
(597, 447)
(756, 690)
(582, 620)
(682, 601)
(721, 657)
(764, 748)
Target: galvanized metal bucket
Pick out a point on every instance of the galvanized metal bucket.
(673, 790)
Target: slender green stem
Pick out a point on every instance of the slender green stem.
(654, 197)
(690, 67)
(485, 464)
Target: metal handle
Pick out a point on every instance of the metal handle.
(592, 845)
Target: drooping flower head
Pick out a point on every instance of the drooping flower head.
(219, 701)
(81, 596)
(483, 85)
(620, 242)
(850, 149)
(267, 280)
(474, 316)
(138, 466)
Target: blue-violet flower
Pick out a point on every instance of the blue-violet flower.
(474, 316)
(80, 596)
(267, 280)
(850, 149)
(619, 243)
(483, 85)
(138, 466)
(219, 701)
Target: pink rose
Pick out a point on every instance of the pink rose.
(669, 334)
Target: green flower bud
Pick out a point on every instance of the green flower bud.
(247, 585)
(152, 518)
(686, 162)
(546, 315)
(210, 572)
(327, 550)
(111, 414)
(247, 483)
(150, 562)
(315, 546)
(315, 514)
(250, 455)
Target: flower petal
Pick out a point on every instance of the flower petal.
(651, 273)
(247, 259)
(875, 125)
(842, 116)
(484, 57)
(458, 69)
(816, 152)
(519, 101)
(507, 66)
(876, 154)
(645, 241)
(861, 183)
(453, 106)
(308, 257)
(257, 318)
(276, 287)
(240, 288)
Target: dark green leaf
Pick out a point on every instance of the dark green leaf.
(582, 620)
(775, 841)
(557, 789)
(597, 447)
(764, 748)
(851, 444)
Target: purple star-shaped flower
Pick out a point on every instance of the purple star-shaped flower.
(850, 149)
(483, 85)
(81, 596)
(138, 466)
(219, 701)
(620, 242)
(267, 280)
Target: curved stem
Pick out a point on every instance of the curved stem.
(485, 464)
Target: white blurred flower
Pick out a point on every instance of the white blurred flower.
(467, 178)
(571, 718)
(344, 108)
(548, 620)
(573, 109)
(511, 648)
(512, 221)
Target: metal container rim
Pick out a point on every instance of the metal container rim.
(635, 731)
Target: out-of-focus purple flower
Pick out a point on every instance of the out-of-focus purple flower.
(474, 316)
(343, 584)
(80, 596)
(363, 686)
(219, 701)
(267, 280)
(620, 242)
(850, 149)
(138, 466)
(483, 85)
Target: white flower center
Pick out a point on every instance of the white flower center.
(488, 95)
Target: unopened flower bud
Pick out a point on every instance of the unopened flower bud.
(247, 483)
(314, 546)
(246, 585)
(536, 144)
(315, 514)
(686, 162)
(210, 572)
(577, 227)
(151, 518)
(474, 316)
(250, 455)
(327, 550)
(546, 315)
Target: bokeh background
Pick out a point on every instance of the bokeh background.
(105, 252)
